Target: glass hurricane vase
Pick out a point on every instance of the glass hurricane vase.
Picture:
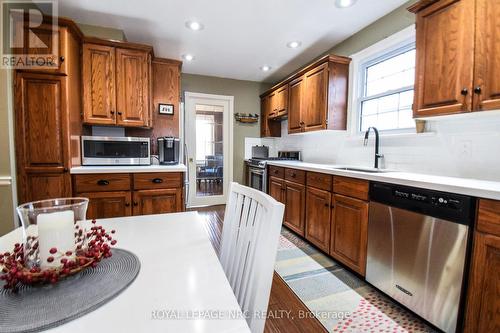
(53, 230)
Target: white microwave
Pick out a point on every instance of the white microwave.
(103, 150)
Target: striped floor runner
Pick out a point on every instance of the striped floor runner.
(340, 300)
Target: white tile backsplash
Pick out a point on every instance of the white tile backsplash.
(458, 146)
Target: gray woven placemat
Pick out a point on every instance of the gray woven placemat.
(35, 309)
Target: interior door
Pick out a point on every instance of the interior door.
(445, 58)
(487, 66)
(132, 90)
(208, 134)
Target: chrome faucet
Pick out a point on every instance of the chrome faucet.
(377, 144)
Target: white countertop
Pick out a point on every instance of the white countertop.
(180, 272)
(467, 186)
(128, 169)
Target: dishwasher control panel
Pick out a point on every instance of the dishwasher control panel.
(454, 207)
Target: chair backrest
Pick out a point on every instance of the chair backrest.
(250, 237)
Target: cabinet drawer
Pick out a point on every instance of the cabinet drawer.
(351, 187)
(488, 217)
(319, 180)
(102, 182)
(297, 176)
(150, 181)
(276, 172)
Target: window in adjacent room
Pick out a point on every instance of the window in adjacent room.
(386, 90)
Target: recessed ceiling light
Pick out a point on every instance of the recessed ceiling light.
(188, 57)
(344, 3)
(294, 44)
(265, 68)
(193, 25)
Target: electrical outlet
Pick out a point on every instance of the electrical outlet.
(465, 148)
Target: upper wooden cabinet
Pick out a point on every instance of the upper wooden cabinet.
(314, 98)
(268, 126)
(456, 70)
(116, 85)
(99, 102)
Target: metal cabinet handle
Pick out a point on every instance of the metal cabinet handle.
(478, 90)
(464, 92)
(157, 180)
(102, 182)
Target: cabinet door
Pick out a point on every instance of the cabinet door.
(445, 58)
(483, 302)
(268, 128)
(148, 202)
(277, 189)
(132, 87)
(282, 100)
(316, 98)
(108, 204)
(98, 70)
(41, 137)
(295, 105)
(273, 105)
(295, 202)
(487, 66)
(349, 232)
(318, 212)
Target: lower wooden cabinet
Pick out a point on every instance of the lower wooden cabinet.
(116, 195)
(483, 304)
(318, 212)
(295, 198)
(162, 201)
(349, 232)
(108, 204)
(277, 189)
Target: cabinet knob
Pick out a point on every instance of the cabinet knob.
(127, 204)
(464, 92)
(119, 113)
(103, 182)
(65, 169)
(61, 59)
(477, 90)
(136, 203)
(327, 205)
(293, 175)
(157, 180)
(112, 112)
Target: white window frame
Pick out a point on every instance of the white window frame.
(399, 42)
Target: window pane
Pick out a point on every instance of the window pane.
(391, 74)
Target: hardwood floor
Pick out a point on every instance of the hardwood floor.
(287, 312)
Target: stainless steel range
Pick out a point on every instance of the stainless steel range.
(257, 168)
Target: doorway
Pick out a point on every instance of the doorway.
(209, 142)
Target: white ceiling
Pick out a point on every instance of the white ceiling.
(238, 36)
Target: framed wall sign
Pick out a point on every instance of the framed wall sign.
(165, 108)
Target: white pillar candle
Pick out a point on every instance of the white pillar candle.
(56, 230)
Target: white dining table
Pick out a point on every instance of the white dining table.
(181, 286)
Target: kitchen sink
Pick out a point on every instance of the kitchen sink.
(361, 169)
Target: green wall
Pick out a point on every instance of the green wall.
(246, 100)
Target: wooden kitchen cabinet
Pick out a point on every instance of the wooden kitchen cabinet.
(349, 232)
(282, 101)
(160, 201)
(295, 105)
(108, 204)
(318, 215)
(487, 66)
(116, 83)
(41, 137)
(132, 87)
(268, 126)
(483, 298)
(99, 102)
(314, 113)
(295, 199)
(455, 72)
(277, 189)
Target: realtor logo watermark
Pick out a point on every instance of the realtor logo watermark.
(30, 34)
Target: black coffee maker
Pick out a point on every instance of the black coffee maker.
(168, 150)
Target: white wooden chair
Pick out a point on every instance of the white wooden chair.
(250, 237)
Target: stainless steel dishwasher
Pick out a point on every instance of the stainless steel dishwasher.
(418, 244)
